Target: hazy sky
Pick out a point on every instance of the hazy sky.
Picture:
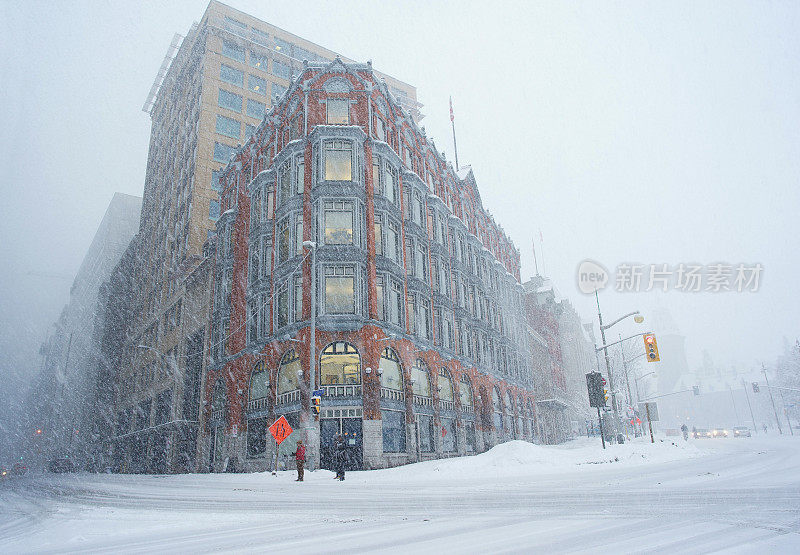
(627, 132)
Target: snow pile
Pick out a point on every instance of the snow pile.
(520, 458)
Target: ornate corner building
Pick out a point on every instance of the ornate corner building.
(421, 343)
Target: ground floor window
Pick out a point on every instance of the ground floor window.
(425, 424)
(394, 431)
(448, 435)
(469, 428)
(256, 437)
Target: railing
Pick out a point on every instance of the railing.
(469, 409)
(447, 405)
(392, 394)
(424, 401)
(217, 414)
(342, 390)
(288, 398)
(257, 404)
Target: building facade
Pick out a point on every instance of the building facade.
(68, 389)
(421, 345)
(214, 88)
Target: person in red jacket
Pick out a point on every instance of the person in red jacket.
(300, 459)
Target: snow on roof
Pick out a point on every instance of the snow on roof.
(463, 172)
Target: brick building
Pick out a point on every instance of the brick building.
(422, 346)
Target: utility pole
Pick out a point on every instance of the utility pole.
(746, 396)
(608, 368)
(786, 413)
(736, 412)
(778, 422)
(313, 443)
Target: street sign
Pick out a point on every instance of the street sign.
(280, 429)
(318, 393)
(653, 410)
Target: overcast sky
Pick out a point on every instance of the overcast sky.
(646, 133)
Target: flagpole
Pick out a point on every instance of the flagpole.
(453, 123)
(535, 262)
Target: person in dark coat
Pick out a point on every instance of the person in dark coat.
(339, 455)
(300, 459)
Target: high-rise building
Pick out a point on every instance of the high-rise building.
(214, 88)
(420, 346)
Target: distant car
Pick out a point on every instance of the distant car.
(741, 431)
(19, 469)
(701, 433)
(61, 465)
(719, 432)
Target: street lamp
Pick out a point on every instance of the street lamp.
(638, 319)
(312, 340)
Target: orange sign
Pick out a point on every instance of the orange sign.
(280, 430)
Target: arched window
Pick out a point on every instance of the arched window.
(391, 372)
(445, 386)
(498, 409)
(465, 392)
(259, 381)
(511, 423)
(420, 379)
(288, 370)
(219, 397)
(340, 364)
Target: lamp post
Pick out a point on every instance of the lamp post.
(638, 318)
(312, 346)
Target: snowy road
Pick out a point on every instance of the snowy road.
(738, 495)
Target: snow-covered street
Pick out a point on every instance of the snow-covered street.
(740, 495)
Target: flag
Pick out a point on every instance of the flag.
(451, 109)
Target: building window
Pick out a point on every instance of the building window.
(223, 153)
(230, 101)
(283, 240)
(465, 394)
(256, 436)
(215, 181)
(469, 429)
(281, 70)
(298, 298)
(425, 424)
(258, 61)
(395, 303)
(378, 238)
(338, 111)
(232, 51)
(338, 223)
(229, 127)
(497, 410)
(255, 109)
(298, 235)
(259, 381)
(235, 26)
(390, 184)
(380, 129)
(411, 313)
(340, 290)
(300, 175)
(231, 76)
(424, 319)
(379, 298)
(390, 247)
(340, 363)
(393, 423)
(257, 85)
(249, 130)
(289, 372)
(448, 435)
(213, 210)
(278, 90)
(420, 379)
(282, 308)
(261, 38)
(338, 161)
(421, 262)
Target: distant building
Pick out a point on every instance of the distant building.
(68, 387)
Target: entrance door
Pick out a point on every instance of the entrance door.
(350, 428)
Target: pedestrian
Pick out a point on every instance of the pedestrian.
(300, 459)
(339, 455)
(685, 430)
(765, 428)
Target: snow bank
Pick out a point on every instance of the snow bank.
(520, 458)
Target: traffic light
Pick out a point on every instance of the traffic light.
(596, 386)
(755, 387)
(605, 391)
(651, 347)
(315, 405)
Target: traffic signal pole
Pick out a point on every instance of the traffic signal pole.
(608, 367)
(777, 420)
(600, 420)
